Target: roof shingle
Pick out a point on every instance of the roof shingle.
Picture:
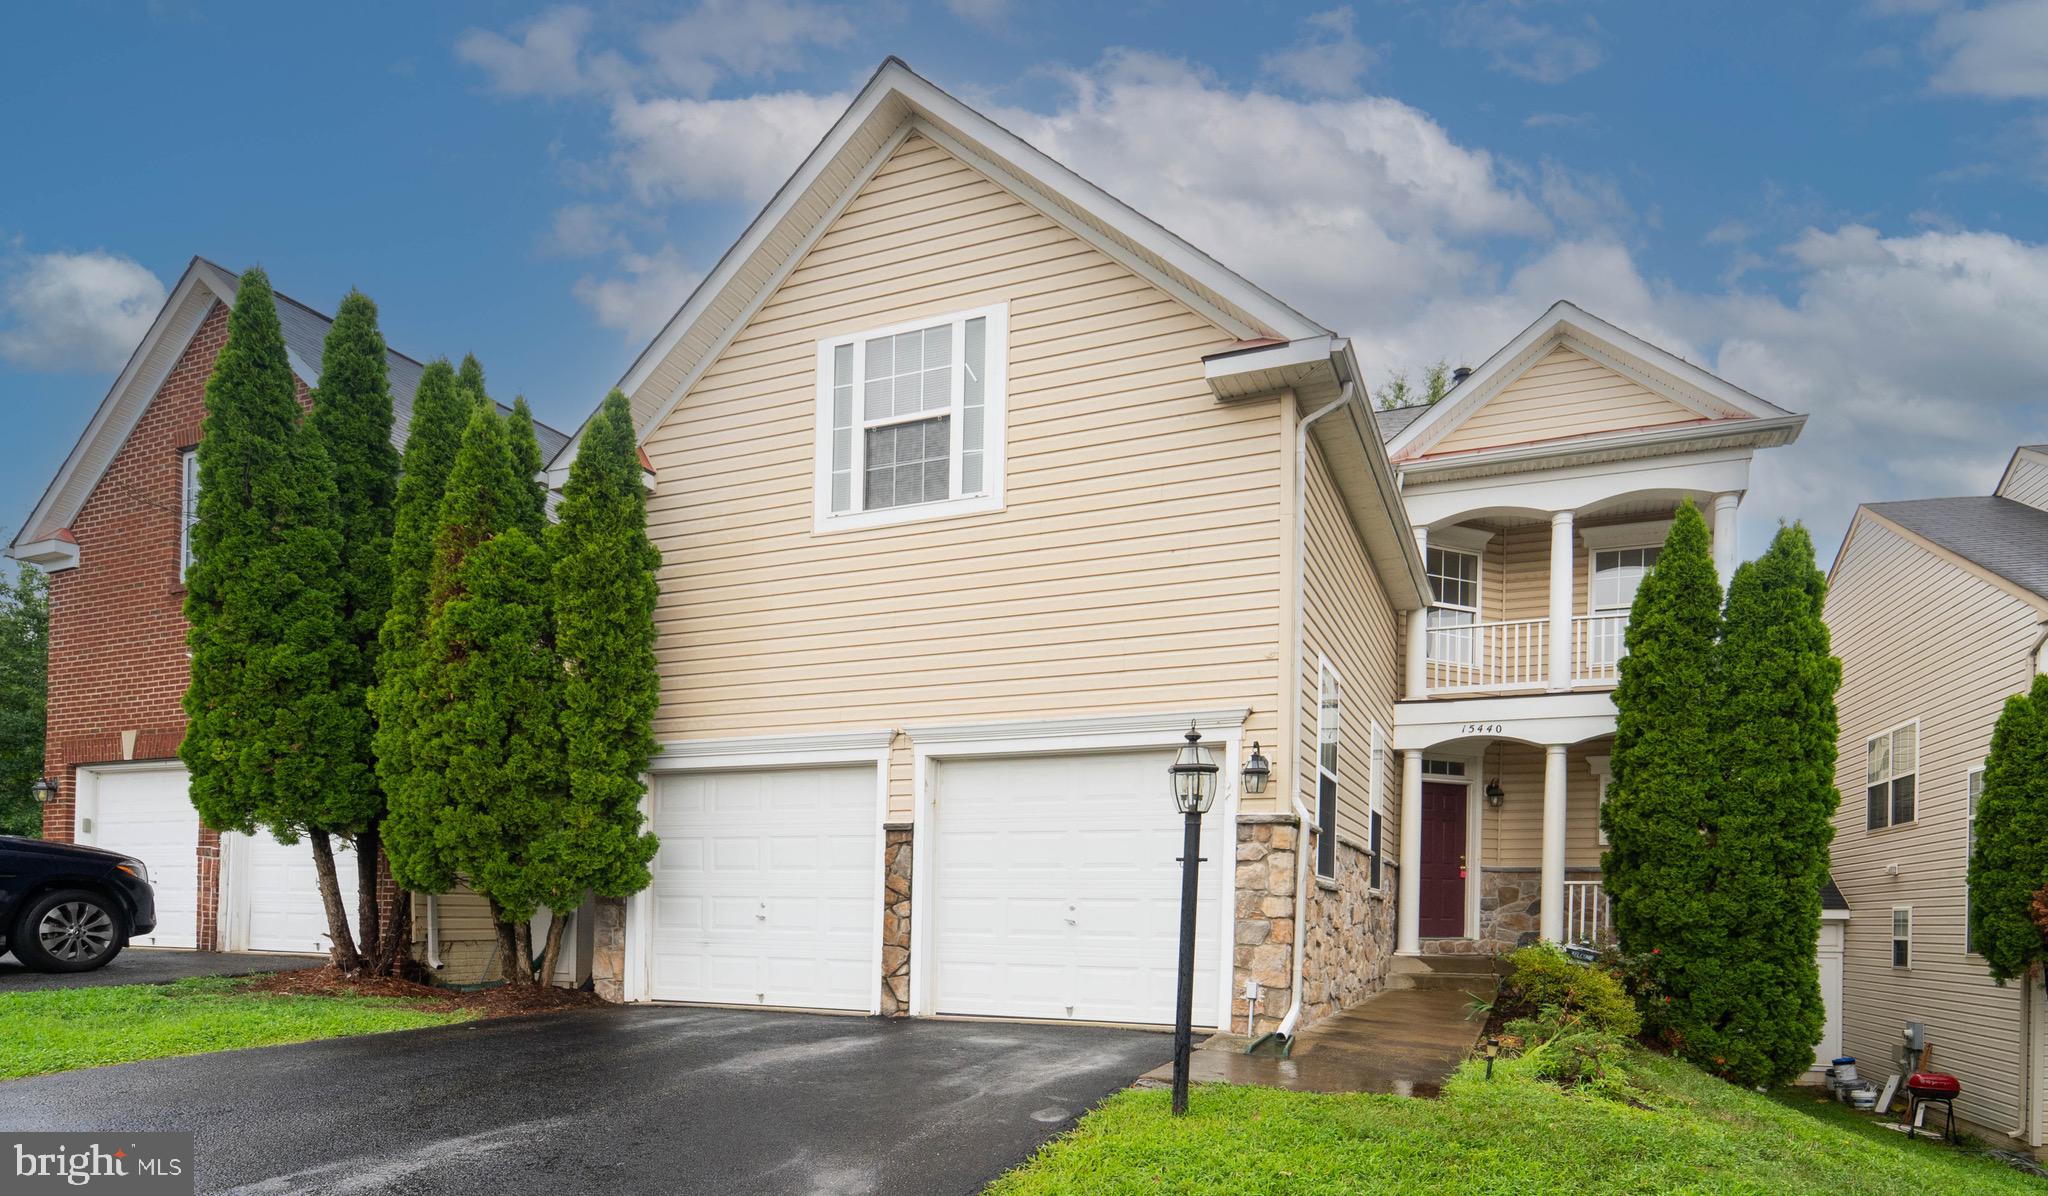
(2008, 538)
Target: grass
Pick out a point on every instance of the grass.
(1513, 1134)
(61, 1029)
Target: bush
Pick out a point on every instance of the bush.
(1582, 1058)
(1559, 993)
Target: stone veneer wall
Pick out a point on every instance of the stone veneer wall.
(1350, 927)
(1510, 911)
(608, 950)
(896, 921)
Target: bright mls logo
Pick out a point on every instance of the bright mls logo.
(141, 1164)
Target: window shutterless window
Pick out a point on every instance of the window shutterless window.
(1373, 784)
(1617, 574)
(190, 507)
(1973, 789)
(910, 420)
(1890, 776)
(1454, 597)
(1902, 936)
(1329, 735)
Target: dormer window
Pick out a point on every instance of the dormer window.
(910, 421)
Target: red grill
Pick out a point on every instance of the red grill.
(1924, 1087)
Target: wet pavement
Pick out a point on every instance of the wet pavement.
(151, 965)
(1402, 1041)
(646, 1099)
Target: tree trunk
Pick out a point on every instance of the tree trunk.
(343, 952)
(523, 931)
(508, 947)
(396, 956)
(553, 950)
(369, 931)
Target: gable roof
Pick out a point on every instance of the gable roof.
(1393, 420)
(2005, 538)
(896, 102)
(203, 284)
(1717, 402)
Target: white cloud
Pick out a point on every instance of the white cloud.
(1534, 50)
(741, 149)
(645, 292)
(1328, 60)
(74, 311)
(1999, 50)
(748, 39)
(1560, 120)
(547, 58)
(986, 13)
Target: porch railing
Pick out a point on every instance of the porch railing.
(1588, 914)
(1598, 644)
(1487, 657)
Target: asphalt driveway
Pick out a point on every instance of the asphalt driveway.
(614, 1100)
(145, 965)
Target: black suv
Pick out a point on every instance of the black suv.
(66, 908)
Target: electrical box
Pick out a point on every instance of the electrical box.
(1916, 1036)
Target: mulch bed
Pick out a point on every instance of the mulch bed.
(503, 1001)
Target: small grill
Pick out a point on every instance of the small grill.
(1933, 1087)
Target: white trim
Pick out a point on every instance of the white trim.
(1893, 938)
(1609, 537)
(188, 507)
(1111, 729)
(1603, 777)
(1067, 737)
(1380, 746)
(1534, 719)
(995, 408)
(1891, 775)
(1593, 578)
(1474, 764)
(53, 555)
(764, 753)
(1471, 541)
(1975, 770)
(1328, 678)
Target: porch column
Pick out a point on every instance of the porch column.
(1724, 536)
(1551, 922)
(1560, 629)
(1408, 912)
(1418, 635)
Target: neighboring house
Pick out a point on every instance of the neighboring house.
(1939, 609)
(111, 531)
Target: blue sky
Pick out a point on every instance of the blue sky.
(1838, 206)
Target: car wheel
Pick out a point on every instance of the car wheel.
(70, 930)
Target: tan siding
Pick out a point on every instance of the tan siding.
(2027, 481)
(1512, 836)
(1565, 394)
(1348, 618)
(1137, 565)
(1922, 638)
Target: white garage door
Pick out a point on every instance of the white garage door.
(281, 893)
(148, 815)
(766, 888)
(1057, 890)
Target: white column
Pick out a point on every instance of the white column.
(1551, 923)
(1408, 913)
(1418, 634)
(1561, 600)
(1724, 536)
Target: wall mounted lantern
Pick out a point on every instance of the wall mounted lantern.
(1257, 771)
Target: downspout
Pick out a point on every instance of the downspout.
(1298, 582)
(433, 934)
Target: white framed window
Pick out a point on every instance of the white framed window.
(1454, 603)
(1443, 768)
(189, 508)
(1603, 780)
(910, 420)
(1329, 739)
(1374, 790)
(1617, 574)
(1973, 789)
(1902, 936)
(1891, 775)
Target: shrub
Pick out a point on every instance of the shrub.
(1563, 994)
(1577, 1058)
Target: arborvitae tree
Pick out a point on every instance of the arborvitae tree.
(526, 462)
(1758, 1011)
(604, 595)
(24, 689)
(470, 376)
(440, 411)
(1658, 865)
(2009, 867)
(267, 736)
(351, 418)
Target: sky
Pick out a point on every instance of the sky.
(1840, 206)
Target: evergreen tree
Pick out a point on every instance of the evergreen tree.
(470, 376)
(1658, 865)
(527, 463)
(351, 418)
(268, 736)
(2009, 866)
(604, 596)
(1758, 1011)
(24, 689)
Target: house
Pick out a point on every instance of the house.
(111, 531)
(1938, 609)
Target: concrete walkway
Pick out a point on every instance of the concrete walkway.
(1404, 1041)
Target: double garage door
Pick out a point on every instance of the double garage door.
(271, 901)
(1050, 888)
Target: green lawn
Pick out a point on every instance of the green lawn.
(57, 1030)
(1510, 1135)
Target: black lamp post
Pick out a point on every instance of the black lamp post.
(1194, 791)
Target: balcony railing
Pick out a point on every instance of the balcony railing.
(1503, 657)
(1588, 914)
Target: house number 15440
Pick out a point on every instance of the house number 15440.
(1481, 729)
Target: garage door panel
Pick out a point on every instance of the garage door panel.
(149, 815)
(284, 909)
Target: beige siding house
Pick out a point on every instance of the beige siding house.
(1938, 609)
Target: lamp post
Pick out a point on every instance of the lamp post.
(1194, 790)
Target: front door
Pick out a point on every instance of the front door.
(1442, 914)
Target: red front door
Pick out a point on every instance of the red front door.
(1442, 914)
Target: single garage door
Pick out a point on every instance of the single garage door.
(282, 892)
(766, 888)
(1057, 890)
(146, 814)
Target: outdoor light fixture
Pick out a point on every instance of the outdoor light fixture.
(1194, 789)
(1256, 771)
(44, 789)
(1495, 795)
(1492, 1053)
